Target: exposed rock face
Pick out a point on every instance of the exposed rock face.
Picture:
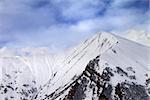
(95, 86)
(126, 91)
(12, 89)
(101, 88)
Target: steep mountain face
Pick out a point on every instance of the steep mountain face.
(104, 67)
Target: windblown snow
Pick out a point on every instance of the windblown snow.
(36, 74)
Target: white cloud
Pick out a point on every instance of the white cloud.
(83, 9)
(62, 23)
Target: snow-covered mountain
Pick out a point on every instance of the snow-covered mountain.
(139, 36)
(104, 67)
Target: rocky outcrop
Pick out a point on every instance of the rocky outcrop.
(93, 85)
(12, 88)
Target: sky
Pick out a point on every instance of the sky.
(59, 24)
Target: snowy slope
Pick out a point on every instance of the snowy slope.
(75, 64)
(125, 54)
(140, 37)
(110, 59)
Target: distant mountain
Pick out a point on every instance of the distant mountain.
(141, 37)
(104, 67)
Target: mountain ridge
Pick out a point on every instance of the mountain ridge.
(105, 61)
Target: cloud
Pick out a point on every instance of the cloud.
(58, 24)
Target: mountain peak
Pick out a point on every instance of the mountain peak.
(104, 67)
